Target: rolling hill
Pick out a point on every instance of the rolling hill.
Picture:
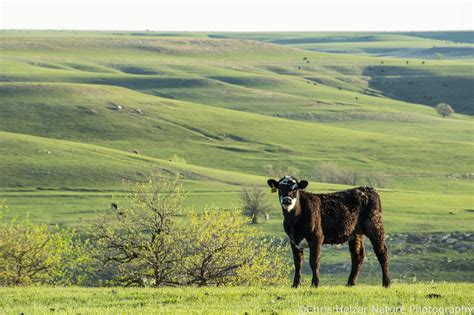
(83, 112)
(77, 105)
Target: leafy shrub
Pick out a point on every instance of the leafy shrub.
(140, 242)
(221, 249)
(36, 254)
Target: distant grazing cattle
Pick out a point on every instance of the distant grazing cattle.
(311, 220)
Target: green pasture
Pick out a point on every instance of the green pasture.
(83, 112)
(406, 298)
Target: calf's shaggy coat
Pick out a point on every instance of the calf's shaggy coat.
(333, 218)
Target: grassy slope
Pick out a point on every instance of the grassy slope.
(408, 80)
(410, 298)
(239, 74)
(51, 164)
(213, 102)
(81, 113)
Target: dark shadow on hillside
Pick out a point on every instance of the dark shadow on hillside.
(422, 53)
(461, 52)
(453, 36)
(329, 39)
(423, 87)
(151, 82)
(444, 52)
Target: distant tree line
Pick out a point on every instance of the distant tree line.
(328, 172)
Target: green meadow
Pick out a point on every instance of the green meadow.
(427, 298)
(82, 113)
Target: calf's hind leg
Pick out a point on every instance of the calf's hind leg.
(356, 247)
(380, 248)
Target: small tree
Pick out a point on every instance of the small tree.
(444, 110)
(138, 243)
(254, 203)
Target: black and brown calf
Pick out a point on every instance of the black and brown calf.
(311, 220)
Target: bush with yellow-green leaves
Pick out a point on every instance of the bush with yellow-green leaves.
(37, 254)
(220, 248)
(141, 242)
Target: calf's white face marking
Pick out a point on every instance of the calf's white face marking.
(292, 185)
(288, 191)
(288, 207)
(288, 180)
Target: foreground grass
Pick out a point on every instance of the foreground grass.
(408, 298)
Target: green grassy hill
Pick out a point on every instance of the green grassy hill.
(81, 112)
(222, 105)
(82, 142)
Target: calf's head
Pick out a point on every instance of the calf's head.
(288, 190)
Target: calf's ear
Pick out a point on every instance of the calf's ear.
(272, 183)
(302, 184)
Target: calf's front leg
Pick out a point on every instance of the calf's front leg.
(314, 254)
(298, 259)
